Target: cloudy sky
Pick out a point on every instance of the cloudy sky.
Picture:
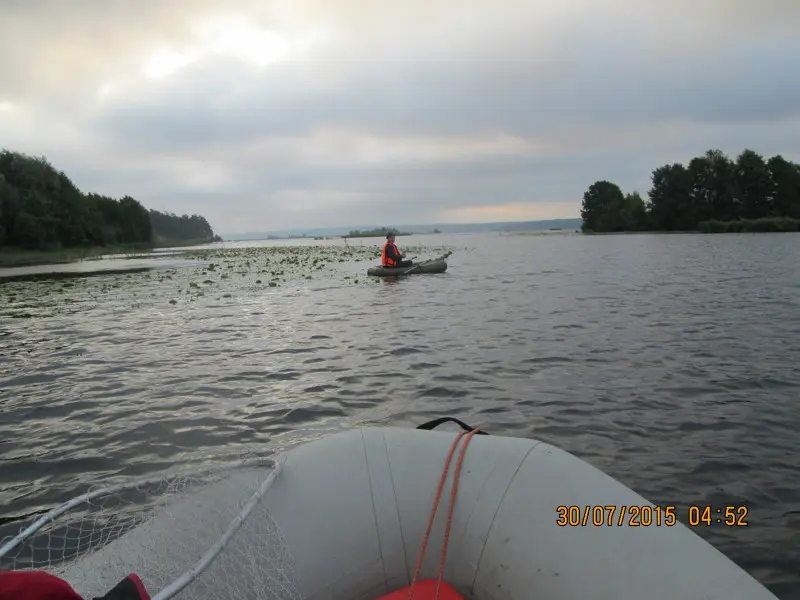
(271, 114)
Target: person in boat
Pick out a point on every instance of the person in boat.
(392, 258)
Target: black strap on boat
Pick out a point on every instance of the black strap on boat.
(436, 422)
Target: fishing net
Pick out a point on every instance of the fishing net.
(202, 534)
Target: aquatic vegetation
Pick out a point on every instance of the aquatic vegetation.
(217, 274)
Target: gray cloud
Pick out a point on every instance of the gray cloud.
(610, 85)
(434, 108)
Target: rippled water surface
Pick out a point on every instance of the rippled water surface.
(672, 362)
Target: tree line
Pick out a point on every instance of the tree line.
(713, 193)
(42, 209)
(377, 232)
(168, 227)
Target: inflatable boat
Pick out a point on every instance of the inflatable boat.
(346, 517)
(433, 265)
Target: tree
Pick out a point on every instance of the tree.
(713, 188)
(377, 232)
(601, 209)
(753, 185)
(712, 193)
(785, 187)
(41, 208)
(170, 227)
(134, 222)
(672, 205)
(634, 212)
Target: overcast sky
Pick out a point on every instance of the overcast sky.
(272, 114)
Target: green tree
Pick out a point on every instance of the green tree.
(135, 224)
(753, 185)
(28, 232)
(377, 232)
(41, 208)
(9, 209)
(713, 193)
(785, 187)
(672, 205)
(185, 228)
(713, 189)
(634, 212)
(602, 207)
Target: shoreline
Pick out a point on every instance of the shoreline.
(713, 226)
(693, 232)
(11, 258)
(654, 232)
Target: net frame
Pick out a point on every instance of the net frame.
(190, 575)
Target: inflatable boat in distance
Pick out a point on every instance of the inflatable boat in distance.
(351, 512)
(433, 265)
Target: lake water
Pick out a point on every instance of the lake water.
(671, 362)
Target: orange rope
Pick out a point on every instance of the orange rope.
(427, 535)
(436, 500)
(456, 476)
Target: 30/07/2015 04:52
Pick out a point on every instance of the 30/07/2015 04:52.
(645, 515)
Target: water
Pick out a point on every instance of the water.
(672, 362)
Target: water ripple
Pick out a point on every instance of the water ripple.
(670, 362)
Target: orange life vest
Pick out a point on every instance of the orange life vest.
(385, 260)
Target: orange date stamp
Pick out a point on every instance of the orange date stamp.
(645, 515)
(615, 515)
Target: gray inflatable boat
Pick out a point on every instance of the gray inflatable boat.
(344, 518)
(433, 265)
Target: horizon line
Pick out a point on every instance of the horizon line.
(426, 224)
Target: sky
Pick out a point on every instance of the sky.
(274, 114)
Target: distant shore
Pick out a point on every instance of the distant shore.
(763, 225)
(711, 194)
(18, 257)
(15, 257)
(45, 219)
(379, 232)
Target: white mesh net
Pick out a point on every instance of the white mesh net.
(204, 534)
